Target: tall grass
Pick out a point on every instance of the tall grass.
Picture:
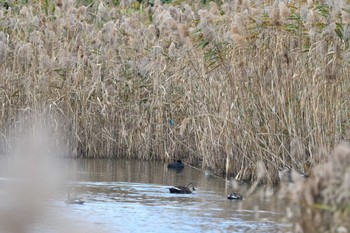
(220, 86)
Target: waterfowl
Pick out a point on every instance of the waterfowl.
(70, 200)
(178, 165)
(289, 176)
(234, 196)
(182, 189)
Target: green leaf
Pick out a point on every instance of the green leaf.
(340, 30)
(323, 10)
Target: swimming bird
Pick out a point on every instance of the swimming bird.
(178, 165)
(73, 200)
(290, 175)
(182, 189)
(235, 196)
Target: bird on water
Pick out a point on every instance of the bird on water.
(235, 196)
(73, 200)
(288, 175)
(178, 165)
(182, 189)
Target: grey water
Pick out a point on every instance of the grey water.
(133, 196)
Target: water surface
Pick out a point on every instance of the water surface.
(133, 196)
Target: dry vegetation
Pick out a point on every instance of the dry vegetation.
(219, 85)
(323, 201)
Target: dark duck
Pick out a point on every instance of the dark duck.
(178, 165)
(235, 196)
(182, 189)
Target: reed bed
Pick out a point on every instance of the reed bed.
(223, 86)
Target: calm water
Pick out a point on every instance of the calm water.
(133, 196)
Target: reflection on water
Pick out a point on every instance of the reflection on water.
(133, 196)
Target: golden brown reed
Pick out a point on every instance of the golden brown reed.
(233, 84)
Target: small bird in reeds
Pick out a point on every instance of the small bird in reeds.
(182, 189)
(178, 165)
(235, 196)
(73, 200)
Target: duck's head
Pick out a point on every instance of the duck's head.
(178, 161)
(191, 186)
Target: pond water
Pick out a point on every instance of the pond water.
(133, 196)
